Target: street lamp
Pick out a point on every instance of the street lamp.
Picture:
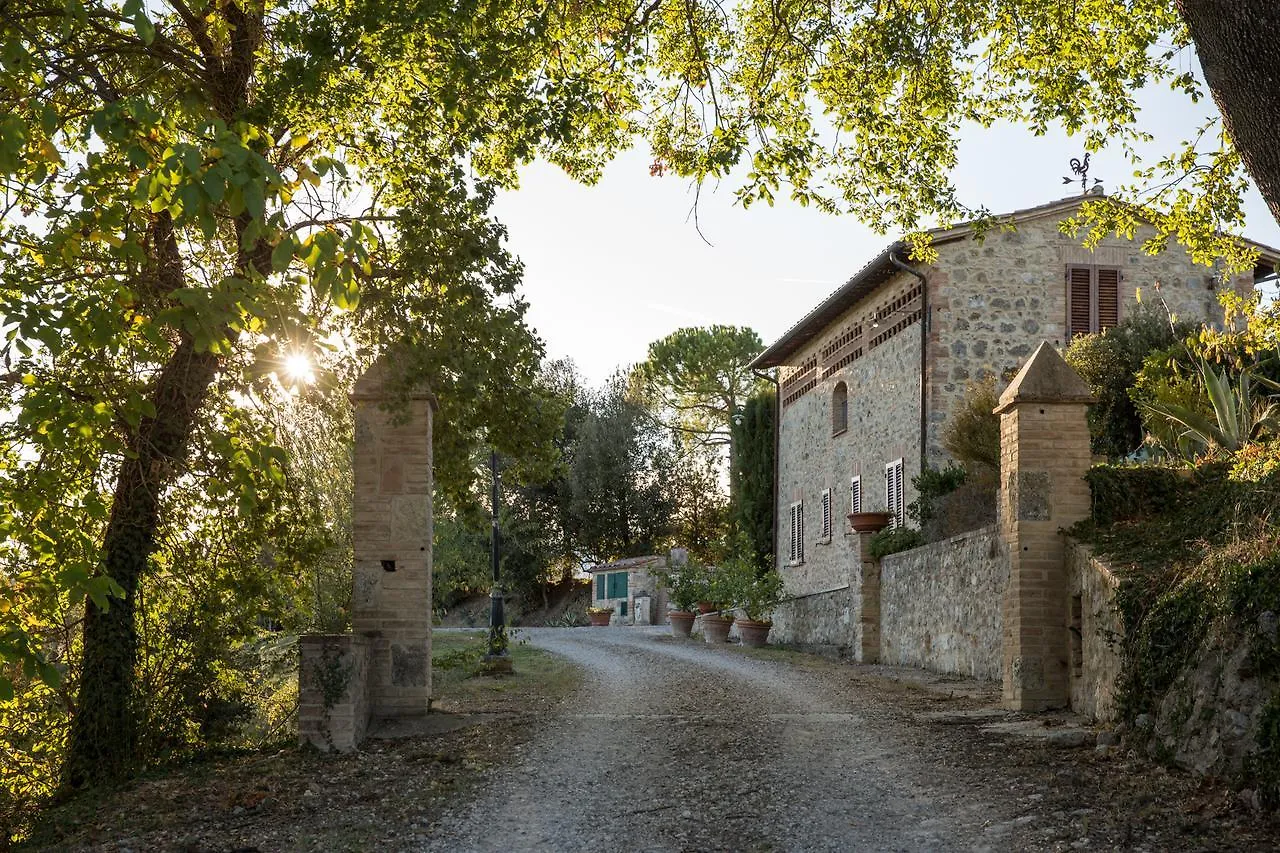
(496, 661)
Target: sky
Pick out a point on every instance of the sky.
(611, 267)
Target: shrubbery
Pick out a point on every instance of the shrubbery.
(1108, 363)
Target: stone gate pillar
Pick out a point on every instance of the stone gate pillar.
(391, 538)
(1044, 455)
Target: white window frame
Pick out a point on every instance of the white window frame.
(797, 534)
(826, 516)
(855, 494)
(895, 493)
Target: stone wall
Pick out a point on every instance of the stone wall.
(1096, 630)
(827, 619)
(940, 605)
(333, 690)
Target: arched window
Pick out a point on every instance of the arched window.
(839, 409)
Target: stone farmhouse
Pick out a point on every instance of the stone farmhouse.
(868, 379)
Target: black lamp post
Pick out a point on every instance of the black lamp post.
(496, 661)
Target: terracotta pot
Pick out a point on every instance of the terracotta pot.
(681, 622)
(715, 629)
(707, 607)
(754, 634)
(600, 620)
(869, 522)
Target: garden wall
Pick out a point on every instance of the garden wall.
(826, 620)
(940, 605)
(1095, 633)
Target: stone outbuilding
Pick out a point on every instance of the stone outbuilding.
(632, 589)
(869, 378)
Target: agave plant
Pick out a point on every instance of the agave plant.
(1240, 413)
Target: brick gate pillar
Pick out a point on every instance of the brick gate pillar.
(391, 539)
(1044, 454)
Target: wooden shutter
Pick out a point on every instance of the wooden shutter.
(855, 495)
(826, 514)
(618, 585)
(600, 586)
(1079, 301)
(890, 496)
(1108, 299)
(894, 493)
(800, 532)
(791, 553)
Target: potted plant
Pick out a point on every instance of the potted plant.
(686, 585)
(720, 587)
(758, 595)
(599, 616)
(869, 522)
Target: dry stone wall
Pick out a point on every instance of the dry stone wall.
(940, 605)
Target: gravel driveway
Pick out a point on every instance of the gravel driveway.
(676, 745)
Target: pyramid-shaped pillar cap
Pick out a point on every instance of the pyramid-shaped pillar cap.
(381, 380)
(1045, 378)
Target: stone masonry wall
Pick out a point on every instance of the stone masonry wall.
(992, 302)
(826, 619)
(940, 605)
(333, 690)
(1096, 629)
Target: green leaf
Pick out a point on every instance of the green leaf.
(282, 254)
(144, 28)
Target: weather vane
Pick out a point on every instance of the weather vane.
(1081, 168)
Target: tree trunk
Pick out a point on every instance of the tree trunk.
(104, 731)
(105, 728)
(1239, 51)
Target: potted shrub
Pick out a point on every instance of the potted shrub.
(760, 593)
(599, 616)
(686, 586)
(721, 587)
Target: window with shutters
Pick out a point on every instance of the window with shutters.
(797, 533)
(894, 492)
(1093, 299)
(855, 495)
(826, 515)
(617, 585)
(839, 408)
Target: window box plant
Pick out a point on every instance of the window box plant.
(600, 616)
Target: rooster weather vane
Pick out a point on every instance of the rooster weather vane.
(1081, 168)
